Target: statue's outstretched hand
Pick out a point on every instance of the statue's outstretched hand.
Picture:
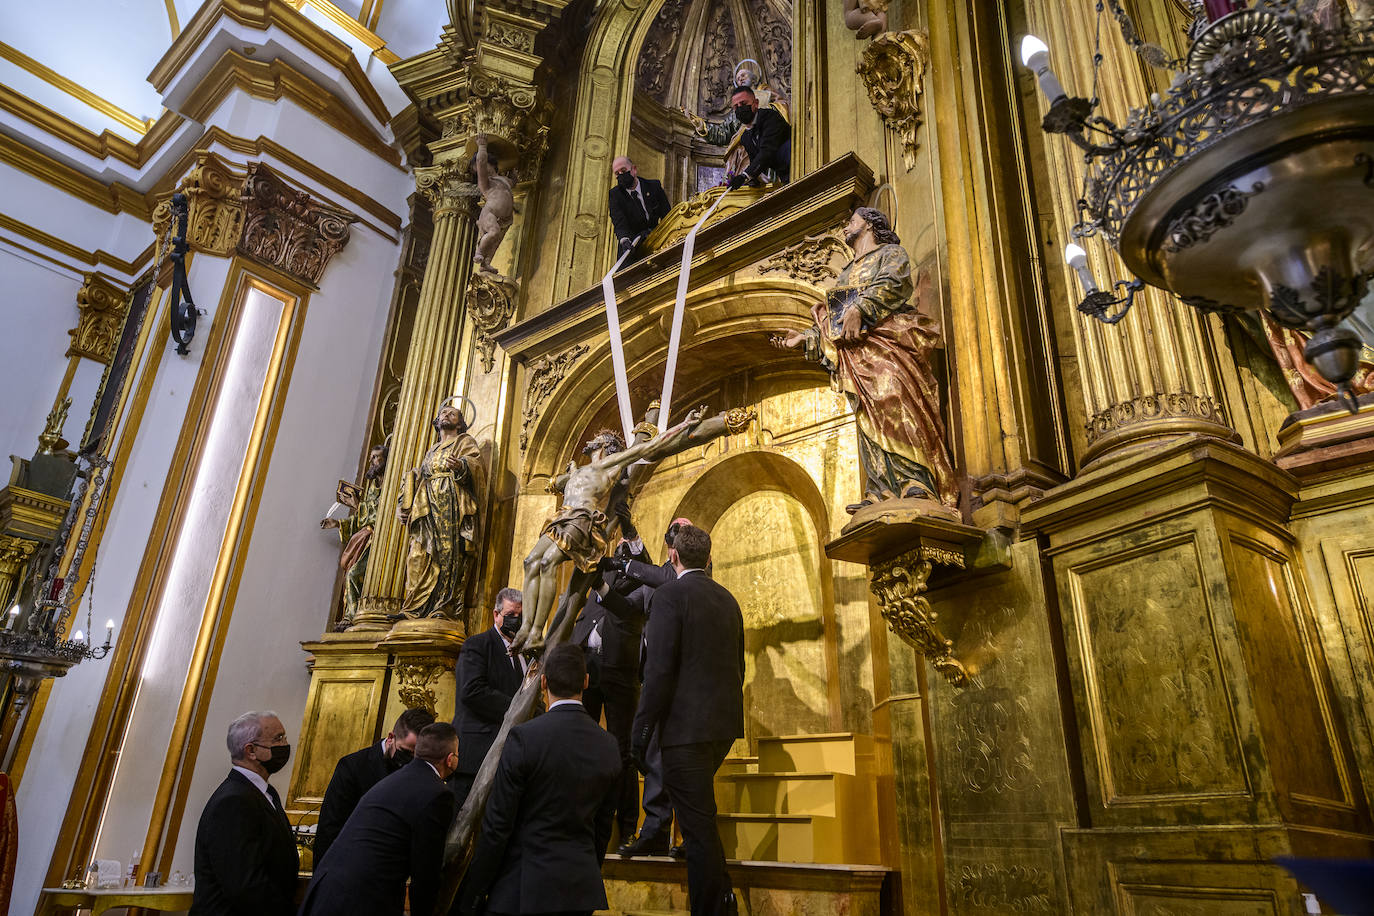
(695, 415)
(787, 339)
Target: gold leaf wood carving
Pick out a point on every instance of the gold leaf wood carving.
(893, 68)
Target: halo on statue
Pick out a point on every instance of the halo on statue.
(465, 407)
(755, 72)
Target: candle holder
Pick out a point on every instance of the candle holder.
(1246, 185)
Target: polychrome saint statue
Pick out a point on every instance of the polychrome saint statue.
(438, 504)
(876, 345)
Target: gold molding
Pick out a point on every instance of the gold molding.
(103, 145)
(263, 15)
(357, 28)
(61, 246)
(275, 80)
(100, 306)
(172, 20)
(112, 198)
(75, 90)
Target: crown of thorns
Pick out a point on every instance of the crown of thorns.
(607, 439)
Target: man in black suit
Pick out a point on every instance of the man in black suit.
(767, 139)
(361, 770)
(693, 698)
(487, 679)
(654, 836)
(246, 858)
(396, 832)
(636, 206)
(547, 823)
(610, 630)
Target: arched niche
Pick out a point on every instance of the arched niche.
(726, 329)
(768, 522)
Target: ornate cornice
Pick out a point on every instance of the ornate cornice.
(545, 374)
(491, 300)
(893, 68)
(289, 229)
(1154, 408)
(100, 313)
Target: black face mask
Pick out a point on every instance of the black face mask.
(626, 180)
(744, 114)
(510, 626)
(400, 757)
(280, 754)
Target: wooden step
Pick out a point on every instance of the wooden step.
(658, 887)
(835, 752)
(816, 794)
(780, 837)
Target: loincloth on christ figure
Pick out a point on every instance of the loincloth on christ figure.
(581, 534)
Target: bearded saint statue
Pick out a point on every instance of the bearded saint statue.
(438, 505)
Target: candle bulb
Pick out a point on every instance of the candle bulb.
(109, 630)
(1035, 54)
(12, 618)
(78, 636)
(1077, 258)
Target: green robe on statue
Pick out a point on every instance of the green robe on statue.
(442, 524)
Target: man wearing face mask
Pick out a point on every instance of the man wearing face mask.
(396, 833)
(361, 770)
(487, 679)
(636, 206)
(246, 858)
(767, 139)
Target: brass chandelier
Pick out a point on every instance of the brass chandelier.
(1248, 184)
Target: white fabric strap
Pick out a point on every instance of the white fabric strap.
(689, 247)
(622, 384)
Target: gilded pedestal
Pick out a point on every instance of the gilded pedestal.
(1208, 732)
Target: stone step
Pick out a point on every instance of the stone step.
(834, 752)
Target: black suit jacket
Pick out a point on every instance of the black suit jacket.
(487, 680)
(694, 676)
(768, 141)
(353, 776)
(396, 832)
(548, 819)
(628, 217)
(621, 620)
(246, 858)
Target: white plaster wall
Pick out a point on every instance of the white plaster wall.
(38, 305)
(61, 738)
(290, 564)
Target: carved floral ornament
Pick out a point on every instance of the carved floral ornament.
(893, 69)
(810, 260)
(415, 679)
(491, 300)
(100, 314)
(899, 584)
(258, 214)
(545, 374)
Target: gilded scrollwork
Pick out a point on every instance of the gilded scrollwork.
(415, 678)
(490, 300)
(289, 229)
(100, 307)
(893, 68)
(545, 373)
(811, 260)
(214, 221)
(899, 585)
(737, 419)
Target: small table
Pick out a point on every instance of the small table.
(160, 899)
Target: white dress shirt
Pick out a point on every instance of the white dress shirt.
(258, 781)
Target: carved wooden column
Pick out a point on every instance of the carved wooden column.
(1149, 377)
(429, 378)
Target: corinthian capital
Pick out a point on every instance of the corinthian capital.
(447, 186)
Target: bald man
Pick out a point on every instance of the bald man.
(636, 205)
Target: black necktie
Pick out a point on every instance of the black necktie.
(276, 799)
(515, 662)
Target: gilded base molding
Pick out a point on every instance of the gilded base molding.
(1154, 416)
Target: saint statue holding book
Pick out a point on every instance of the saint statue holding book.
(876, 345)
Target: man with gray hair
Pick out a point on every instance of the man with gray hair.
(245, 853)
(487, 678)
